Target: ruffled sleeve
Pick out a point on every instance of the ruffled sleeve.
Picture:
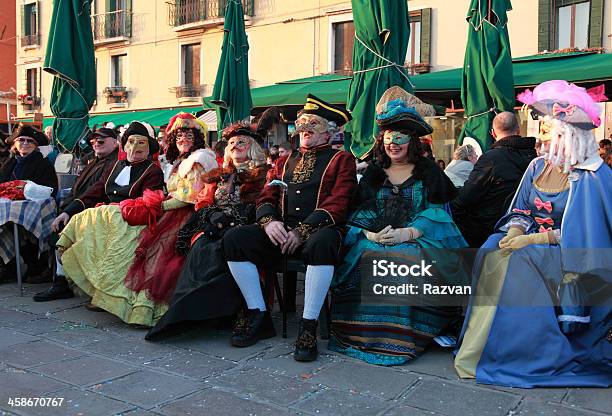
(438, 228)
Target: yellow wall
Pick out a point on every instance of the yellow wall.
(288, 39)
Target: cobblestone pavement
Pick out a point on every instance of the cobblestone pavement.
(100, 366)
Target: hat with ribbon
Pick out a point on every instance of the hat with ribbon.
(399, 110)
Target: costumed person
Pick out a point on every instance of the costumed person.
(301, 212)
(400, 207)
(541, 314)
(157, 264)
(106, 149)
(97, 245)
(28, 164)
(205, 288)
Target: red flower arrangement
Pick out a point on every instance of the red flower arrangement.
(13, 190)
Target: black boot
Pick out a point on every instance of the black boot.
(252, 327)
(306, 343)
(59, 290)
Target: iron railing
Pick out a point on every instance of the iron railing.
(117, 24)
(30, 40)
(189, 91)
(183, 12)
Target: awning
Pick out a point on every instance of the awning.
(443, 86)
(156, 117)
(210, 119)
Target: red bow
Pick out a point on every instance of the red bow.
(544, 229)
(548, 221)
(541, 204)
(522, 211)
(558, 109)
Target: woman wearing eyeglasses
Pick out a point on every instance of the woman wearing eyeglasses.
(28, 164)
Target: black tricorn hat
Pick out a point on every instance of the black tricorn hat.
(141, 129)
(326, 110)
(28, 131)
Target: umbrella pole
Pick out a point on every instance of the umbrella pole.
(489, 11)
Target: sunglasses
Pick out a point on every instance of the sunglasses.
(99, 140)
(26, 140)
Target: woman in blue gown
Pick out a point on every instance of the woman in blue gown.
(401, 209)
(541, 315)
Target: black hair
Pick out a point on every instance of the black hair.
(415, 150)
(172, 153)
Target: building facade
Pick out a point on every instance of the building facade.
(8, 52)
(164, 53)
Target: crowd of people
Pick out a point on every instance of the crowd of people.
(162, 230)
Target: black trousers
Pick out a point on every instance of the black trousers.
(251, 243)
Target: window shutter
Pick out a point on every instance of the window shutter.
(128, 18)
(545, 25)
(23, 21)
(37, 16)
(425, 36)
(596, 23)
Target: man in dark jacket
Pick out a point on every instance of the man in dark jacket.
(105, 145)
(488, 190)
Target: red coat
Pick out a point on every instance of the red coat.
(320, 185)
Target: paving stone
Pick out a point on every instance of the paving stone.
(531, 408)
(79, 403)
(35, 353)
(10, 337)
(384, 383)
(593, 399)
(404, 410)
(129, 349)
(39, 326)
(12, 318)
(147, 389)
(554, 395)
(213, 402)
(336, 402)
(26, 304)
(126, 330)
(84, 316)
(455, 399)
(78, 335)
(22, 383)
(286, 365)
(191, 364)
(139, 412)
(438, 361)
(260, 384)
(86, 370)
(217, 344)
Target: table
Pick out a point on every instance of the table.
(35, 217)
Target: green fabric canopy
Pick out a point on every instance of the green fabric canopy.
(70, 59)
(487, 87)
(232, 92)
(155, 117)
(382, 30)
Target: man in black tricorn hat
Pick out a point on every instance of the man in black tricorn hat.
(302, 211)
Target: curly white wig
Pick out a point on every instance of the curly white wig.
(570, 145)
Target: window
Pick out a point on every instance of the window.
(344, 39)
(418, 53)
(573, 26)
(570, 24)
(29, 24)
(117, 70)
(32, 82)
(190, 64)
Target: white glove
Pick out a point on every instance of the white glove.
(376, 237)
(400, 235)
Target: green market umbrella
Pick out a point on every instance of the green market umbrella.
(232, 92)
(70, 59)
(382, 29)
(488, 82)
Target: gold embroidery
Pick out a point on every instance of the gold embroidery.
(263, 221)
(304, 167)
(304, 231)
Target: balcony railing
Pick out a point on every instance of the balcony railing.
(185, 12)
(112, 25)
(29, 103)
(189, 91)
(116, 95)
(30, 40)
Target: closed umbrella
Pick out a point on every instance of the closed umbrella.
(382, 30)
(232, 92)
(487, 86)
(70, 59)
